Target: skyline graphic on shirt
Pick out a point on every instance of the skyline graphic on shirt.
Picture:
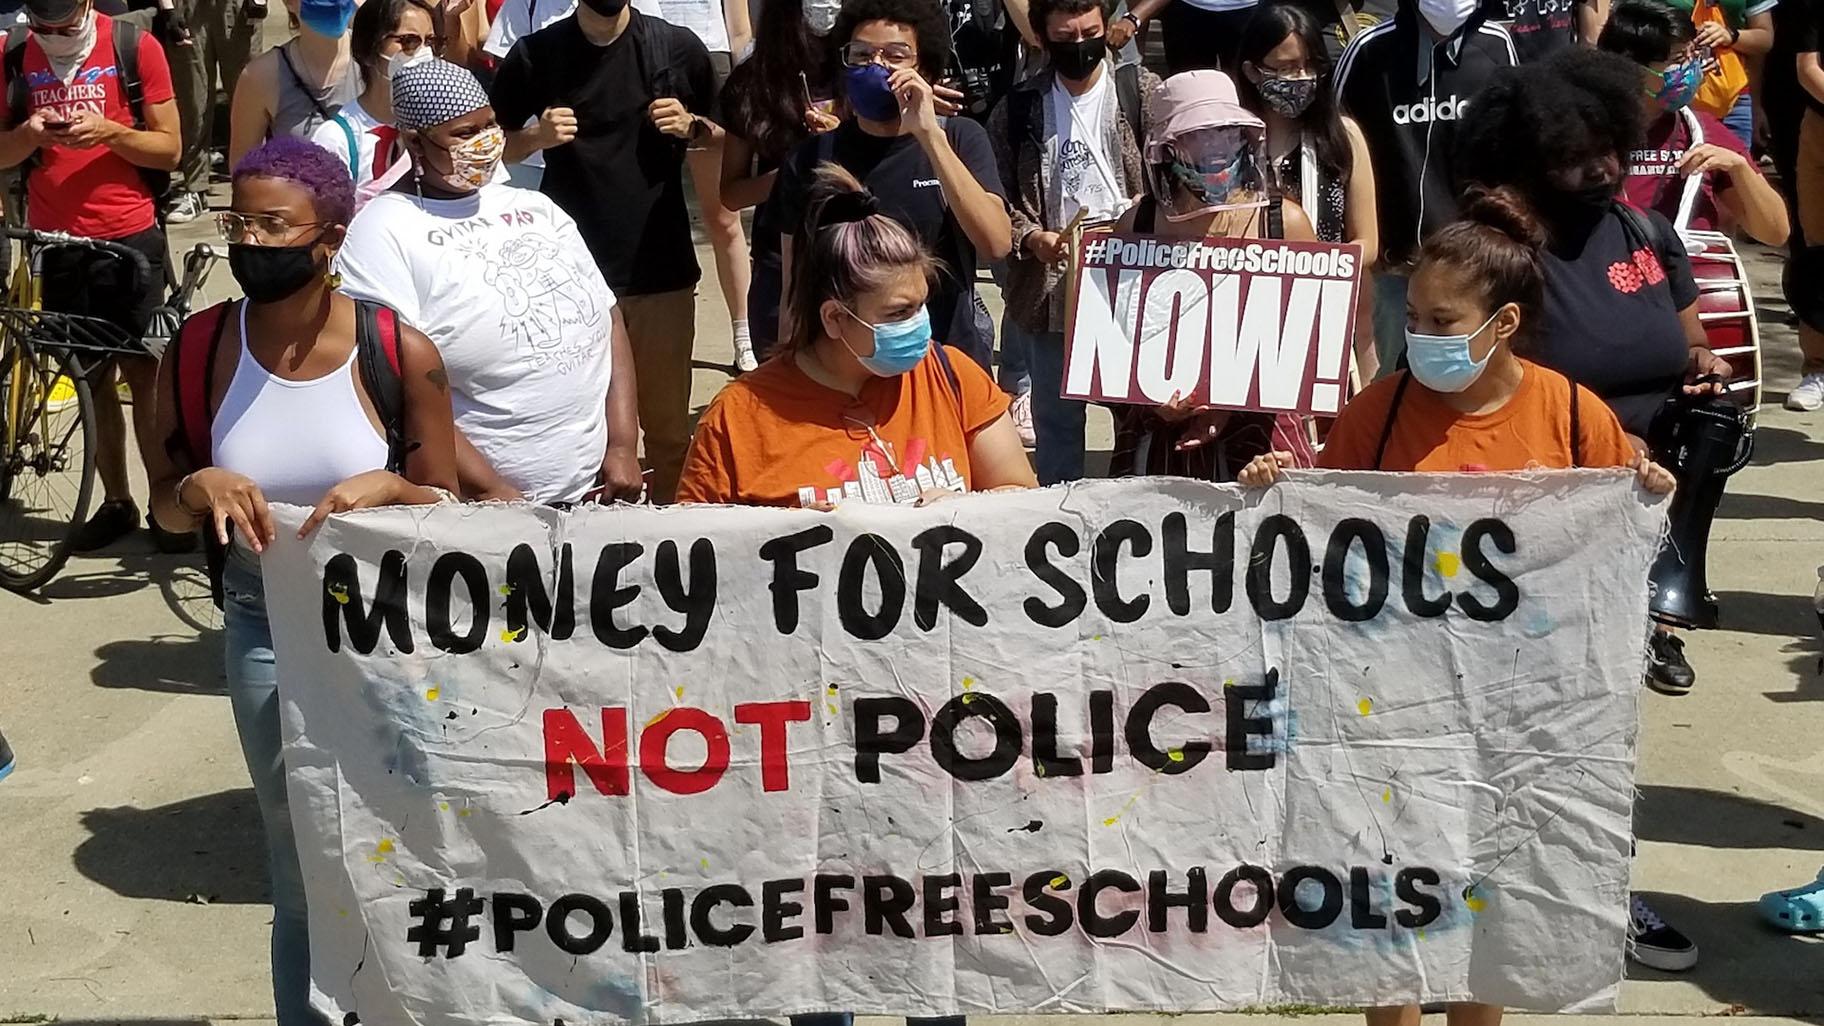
(873, 476)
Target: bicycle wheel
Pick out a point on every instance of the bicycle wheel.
(48, 464)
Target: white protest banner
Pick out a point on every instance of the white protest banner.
(1244, 324)
(1134, 745)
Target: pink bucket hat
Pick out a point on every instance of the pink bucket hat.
(1191, 100)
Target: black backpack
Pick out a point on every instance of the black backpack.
(126, 61)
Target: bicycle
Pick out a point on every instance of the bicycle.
(47, 415)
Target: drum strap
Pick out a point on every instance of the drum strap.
(1694, 185)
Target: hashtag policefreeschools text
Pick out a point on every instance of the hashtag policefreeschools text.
(1219, 255)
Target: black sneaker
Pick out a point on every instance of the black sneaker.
(7, 762)
(1655, 944)
(113, 521)
(1667, 671)
(170, 543)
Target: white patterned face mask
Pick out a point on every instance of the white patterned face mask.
(68, 53)
(472, 161)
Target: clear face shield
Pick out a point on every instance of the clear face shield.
(1206, 170)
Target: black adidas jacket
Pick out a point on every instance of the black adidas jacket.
(1408, 89)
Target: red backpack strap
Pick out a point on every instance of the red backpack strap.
(192, 358)
(382, 372)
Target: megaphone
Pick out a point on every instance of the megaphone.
(1701, 440)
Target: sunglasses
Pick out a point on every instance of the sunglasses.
(410, 42)
(72, 29)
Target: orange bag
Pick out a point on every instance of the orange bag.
(1723, 84)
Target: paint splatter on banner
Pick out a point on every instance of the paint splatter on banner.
(1148, 745)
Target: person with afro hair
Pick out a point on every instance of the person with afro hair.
(1620, 304)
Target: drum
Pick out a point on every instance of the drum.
(1725, 306)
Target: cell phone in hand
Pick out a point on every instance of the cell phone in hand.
(58, 126)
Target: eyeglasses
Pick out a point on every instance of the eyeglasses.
(258, 229)
(1292, 71)
(409, 42)
(893, 55)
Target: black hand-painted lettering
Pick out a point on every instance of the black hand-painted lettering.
(939, 582)
(439, 597)
(1261, 882)
(342, 601)
(634, 938)
(1181, 561)
(1101, 731)
(871, 741)
(1425, 908)
(1071, 599)
(606, 594)
(1045, 739)
(885, 900)
(940, 904)
(705, 904)
(1008, 737)
(671, 913)
(988, 903)
(1507, 593)
(1412, 571)
(1140, 728)
(513, 915)
(697, 600)
(870, 552)
(1105, 561)
(824, 901)
(1241, 726)
(1362, 914)
(1094, 922)
(775, 911)
(1050, 915)
(788, 580)
(1274, 531)
(595, 913)
(1343, 606)
(1195, 900)
(1327, 909)
(529, 603)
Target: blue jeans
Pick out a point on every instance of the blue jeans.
(253, 692)
(1740, 119)
(1389, 319)
(1057, 423)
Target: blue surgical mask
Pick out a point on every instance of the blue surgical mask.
(898, 346)
(1442, 362)
(327, 19)
(1679, 84)
(869, 97)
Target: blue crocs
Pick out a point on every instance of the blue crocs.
(6, 758)
(1799, 910)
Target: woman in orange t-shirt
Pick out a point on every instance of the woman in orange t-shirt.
(858, 403)
(1471, 401)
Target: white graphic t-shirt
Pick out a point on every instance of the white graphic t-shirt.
(1085, 176)
(503, 284)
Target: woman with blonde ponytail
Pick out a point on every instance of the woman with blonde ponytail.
(858, 403)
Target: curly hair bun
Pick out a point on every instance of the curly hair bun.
(1506, 211)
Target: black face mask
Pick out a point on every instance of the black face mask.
(606, 8)
(1076, 61)
(267, 274)
(1579, 210)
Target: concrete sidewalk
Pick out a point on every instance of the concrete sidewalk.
(132, 878)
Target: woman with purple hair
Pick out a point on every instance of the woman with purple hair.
(286, 356)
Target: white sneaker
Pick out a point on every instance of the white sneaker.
(1021, 411)
(188, 207)
(1808, 396)
(744, 355)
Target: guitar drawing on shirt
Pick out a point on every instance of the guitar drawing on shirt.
(541, 293)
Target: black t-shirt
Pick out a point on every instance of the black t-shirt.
(1539, 28)
(1811, 40)
(620, 178)
(1611, 316)
(896, 171)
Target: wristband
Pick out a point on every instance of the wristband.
(1131, 17)
(184, 507)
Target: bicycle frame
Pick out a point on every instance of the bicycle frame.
(24, 293)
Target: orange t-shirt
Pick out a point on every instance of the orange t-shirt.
(776, 438)
(1532, 431)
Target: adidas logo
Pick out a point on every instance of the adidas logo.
(1425, 111)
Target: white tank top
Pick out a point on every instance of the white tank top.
(295, 439)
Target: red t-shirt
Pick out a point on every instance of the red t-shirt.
(93, 192)
(1654, 182)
